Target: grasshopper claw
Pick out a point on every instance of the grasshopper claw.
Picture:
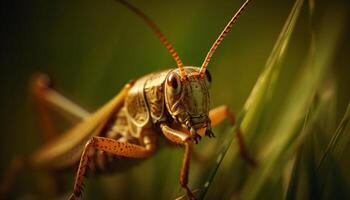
(209, 133)
(195, 136)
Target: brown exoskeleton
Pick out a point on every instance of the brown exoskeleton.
(174, 103)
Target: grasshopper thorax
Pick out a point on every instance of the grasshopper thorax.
(187, 97)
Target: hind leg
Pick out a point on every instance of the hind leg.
(44, 98)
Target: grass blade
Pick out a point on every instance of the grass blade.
(286, 140)
(266, 80)
(337, 136)
(258, 95)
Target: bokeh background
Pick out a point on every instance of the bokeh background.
(92, 48)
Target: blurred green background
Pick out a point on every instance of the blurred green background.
(92, 48)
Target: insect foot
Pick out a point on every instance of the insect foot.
(190, 196)
(75, 196)
(195, 136)
(209, 132)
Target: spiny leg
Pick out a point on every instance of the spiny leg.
(44, 97)
(46, 100)
(110, 146)
(179, 137)
(219, 114)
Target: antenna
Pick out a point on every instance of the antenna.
(221, 37)
(157, 31)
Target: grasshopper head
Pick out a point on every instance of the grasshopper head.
(187, 98)
(186, 88)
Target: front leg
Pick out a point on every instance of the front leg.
(179, 137)
(219, 114)
(111, 146)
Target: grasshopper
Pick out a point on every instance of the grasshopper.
(173, 103)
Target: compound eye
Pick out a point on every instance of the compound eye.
(174, 83)
(208, 78)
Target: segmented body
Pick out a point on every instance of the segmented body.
(138, 114)
(143, 110)
(117, 128)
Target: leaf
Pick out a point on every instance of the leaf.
(337, 137)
